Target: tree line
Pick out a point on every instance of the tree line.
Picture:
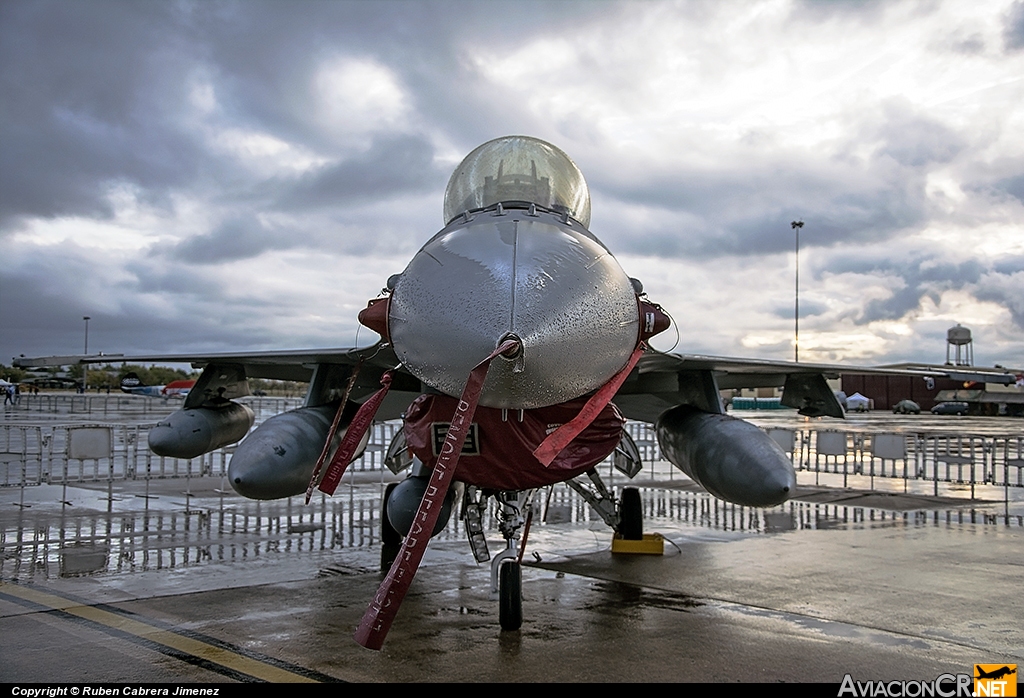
(109, 376)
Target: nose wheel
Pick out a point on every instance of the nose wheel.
(506, 568)
(510, 595)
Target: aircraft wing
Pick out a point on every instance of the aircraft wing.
(226, 374)
(740, 369)
(663, 381)
(297, 365)
(660, 381)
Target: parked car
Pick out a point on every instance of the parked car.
(906, 407)
(959, 408)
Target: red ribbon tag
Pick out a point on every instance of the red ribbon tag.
(353, 435)
(376, 622)
(563, 435)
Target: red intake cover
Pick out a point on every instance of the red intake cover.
(502, 455)
(653, 320)
(375, 316)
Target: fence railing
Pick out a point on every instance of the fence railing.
(32, 454)
(966, 459)
(35, 455)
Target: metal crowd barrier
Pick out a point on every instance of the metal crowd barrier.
(99, 451)
(962, 459)
(35, 455)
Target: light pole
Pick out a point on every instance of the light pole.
(85, 367)
(796, 225)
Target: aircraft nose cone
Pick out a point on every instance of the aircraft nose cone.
(547, 282)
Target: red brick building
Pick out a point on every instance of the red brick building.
(886, 391)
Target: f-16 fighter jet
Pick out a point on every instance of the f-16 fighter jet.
(514, 347)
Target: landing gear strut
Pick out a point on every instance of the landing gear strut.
(506, 569)
(626, 518)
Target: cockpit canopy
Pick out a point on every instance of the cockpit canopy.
(518, 168)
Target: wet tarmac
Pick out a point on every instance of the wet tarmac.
(142, 581)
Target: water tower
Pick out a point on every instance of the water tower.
(958, 339)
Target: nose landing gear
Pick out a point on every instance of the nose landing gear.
(514, 511)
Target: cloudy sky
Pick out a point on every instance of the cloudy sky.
(223, 176)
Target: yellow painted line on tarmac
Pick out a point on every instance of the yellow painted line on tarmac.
(167, 638)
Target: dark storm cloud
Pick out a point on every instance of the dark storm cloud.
(866, 11)
(98, 93)
(808, 308)
(913, 139)
(745, 207)
(42, 306)
(93, 91)
(1006, 292)
(84, 86)
(1009, 265)
(158, 307)
(1013, 27)
(923, 276)
(996, 188)
(748, 213)
(1013, 186)
(155, 276)
(266, 49)
(392, 165)
(235, 239)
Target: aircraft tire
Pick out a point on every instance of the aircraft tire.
(390, 539)
(510, 596)
(631, 515)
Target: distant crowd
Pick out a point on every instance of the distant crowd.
(12, 392)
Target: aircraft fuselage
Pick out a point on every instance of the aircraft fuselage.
(524, 273)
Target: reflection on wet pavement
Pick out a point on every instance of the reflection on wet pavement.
(43, 541)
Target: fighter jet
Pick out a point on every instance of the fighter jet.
(514, 347)
(133, 385)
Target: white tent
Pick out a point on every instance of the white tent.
(857, 403)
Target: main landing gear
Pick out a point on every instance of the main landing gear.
(631, 515)
(626, 517)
